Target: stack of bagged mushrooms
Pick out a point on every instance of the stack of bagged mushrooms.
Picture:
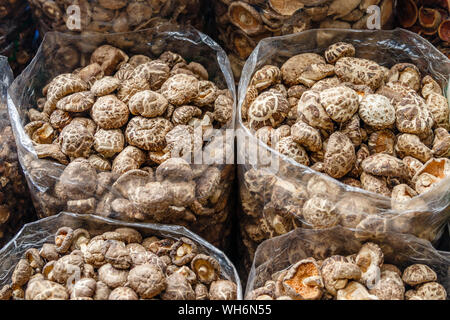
(117, 265)
(115, 121)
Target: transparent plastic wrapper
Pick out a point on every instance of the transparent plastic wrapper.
(112, 16)
(16, 207)
(17, 34)
(36, 234)
(275, 188)
(195, 194)
(429, 19)
(401, 250)
(242, 24)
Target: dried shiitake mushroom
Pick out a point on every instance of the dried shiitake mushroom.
(117, 265)
(360, 276)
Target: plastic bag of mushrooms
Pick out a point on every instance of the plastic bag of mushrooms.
(112, 16)
(16, 207)
(332, 264)
(82, 257)
(242, 24)
(136, 133)
(363, 171)
(17, 33)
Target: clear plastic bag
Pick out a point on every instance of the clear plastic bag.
(87, 16)
(16, 207)
(34, 235)
(274, 188)
(401, 250)
(211, 217)
(242, 24)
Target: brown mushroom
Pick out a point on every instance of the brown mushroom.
(303, 281)
(183, 251)
(63, 239)
(206, 268)
(147, 280)
(223, 290)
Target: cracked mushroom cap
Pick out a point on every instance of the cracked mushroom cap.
(223, 290)
(303, 281)
(155, 72)
(441, 143)
(206, 268)
(148, 104)
(355, 291)
(147, 280)
(377, 111)
(384, 165)
(105, 86)
(183, 251)
(123, 293)
(412, 115)
(340, 155)
(439, 109)
(266, 77)
(339, 50)
(360, 71)
(108, 112)
(337, 271)
(431, 291)
(306, 136)
(389, 287)
(340, 102)
(410, 145)
(375, 184)
(369, 259)
(177, 288)
(382, 141)
(245, 17)
(75, 141)
(76, 102)
(109, 142)
(148, 134)
(417, 274)
(288, 147)
(201, 292)
(270, 108)
(130, 158)
(180, 89)
(130, 180)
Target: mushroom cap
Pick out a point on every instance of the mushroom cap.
(270, 108)
(377, 111)
(360, 71)
(307, 136)
(223, 290)
(180, 89)
(113, 277)
(417, 274)
(75, 140)
(339, 50)
(288, 147)
(178, 288)
(369, 259)
(431, 291)
(303, 281)
(77, 182)
(340, 155)
(129, 235)
(123, 293)
(45, 290)
(76, 102)
(105, 86)
(381, 164)
(174, 169)
(410, 145)
(148, 133)
(22, 273)
(340, 102)
(84, 288)
(266, 77)
(117, 254)
(389, 287)
(320, 213)
(147, 280)
(108, 112)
